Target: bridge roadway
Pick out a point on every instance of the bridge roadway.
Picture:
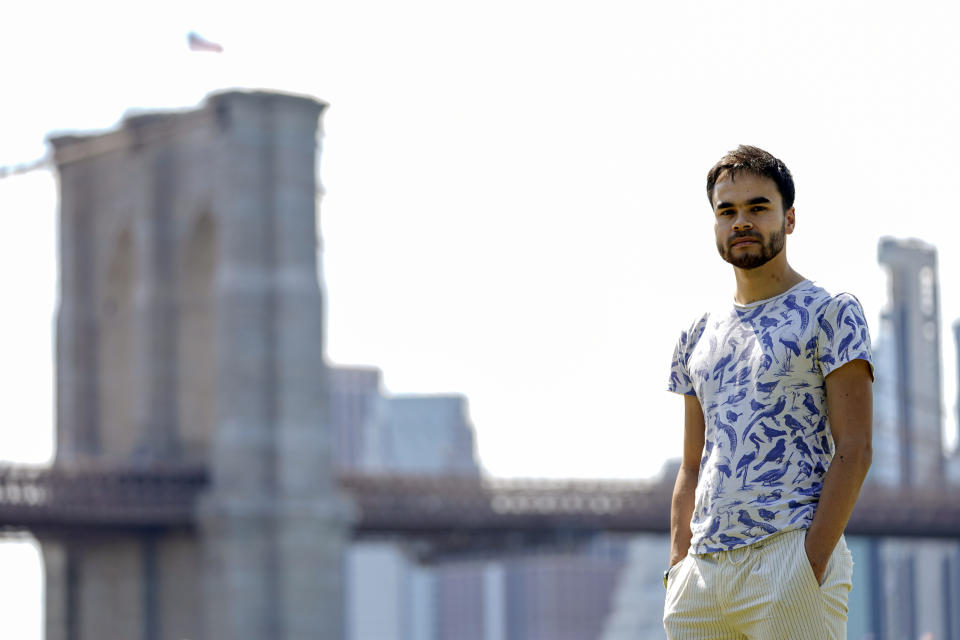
(456, 513)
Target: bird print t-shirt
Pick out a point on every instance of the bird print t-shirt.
(758, 370)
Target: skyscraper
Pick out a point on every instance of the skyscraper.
(956, 341)
(911, 583)
(355, 394)
(953, 461)
(908, 385)
(428, 434)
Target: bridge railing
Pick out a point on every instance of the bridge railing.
(424, 506)
(156, 496)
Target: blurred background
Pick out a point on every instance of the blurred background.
(513, 230)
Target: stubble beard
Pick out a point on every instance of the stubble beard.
(750, 260)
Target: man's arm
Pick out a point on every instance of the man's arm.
(850, 407)
(681, 508)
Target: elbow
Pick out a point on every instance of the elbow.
(688, 476)
(688, 468)
(859, 453)
(866, 457)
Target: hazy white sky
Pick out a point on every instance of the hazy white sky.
(515, 206)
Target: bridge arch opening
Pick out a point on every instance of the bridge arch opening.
(197, 340)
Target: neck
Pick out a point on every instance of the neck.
(765, 281)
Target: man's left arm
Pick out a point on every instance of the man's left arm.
(850, 407)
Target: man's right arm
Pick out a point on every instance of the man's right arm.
(684, 491)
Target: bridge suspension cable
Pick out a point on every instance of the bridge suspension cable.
(26, 167)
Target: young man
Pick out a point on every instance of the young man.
(777, 432)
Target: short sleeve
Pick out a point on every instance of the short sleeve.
(843, 334)
(680, 380)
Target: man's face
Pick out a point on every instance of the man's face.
(751, 225)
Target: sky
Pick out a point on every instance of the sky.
(514, 205)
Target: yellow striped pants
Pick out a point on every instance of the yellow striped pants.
(764, 591)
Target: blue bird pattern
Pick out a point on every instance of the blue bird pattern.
(758, 371)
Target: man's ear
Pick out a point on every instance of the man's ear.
(791, 218)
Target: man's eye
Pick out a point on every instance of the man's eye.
(757, 209)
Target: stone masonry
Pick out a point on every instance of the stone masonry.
(190, 331)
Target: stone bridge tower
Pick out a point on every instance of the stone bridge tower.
(190, 332)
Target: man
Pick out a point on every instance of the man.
(777, 431)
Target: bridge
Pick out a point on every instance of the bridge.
(444, 514)
(190, 330)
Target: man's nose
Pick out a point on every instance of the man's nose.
(741, 223)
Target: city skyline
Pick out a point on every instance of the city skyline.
(512, 189)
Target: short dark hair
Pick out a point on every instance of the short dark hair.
(758, 162)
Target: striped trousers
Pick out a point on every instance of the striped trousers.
(764, 591)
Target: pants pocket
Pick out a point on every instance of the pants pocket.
(839, 569)
(671, 574)
(805, 568)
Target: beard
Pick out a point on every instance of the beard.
(750, 259)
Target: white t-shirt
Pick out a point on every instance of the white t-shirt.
(758, 370)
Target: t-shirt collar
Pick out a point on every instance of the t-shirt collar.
(800, 285)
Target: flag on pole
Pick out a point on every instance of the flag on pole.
(196, 43)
